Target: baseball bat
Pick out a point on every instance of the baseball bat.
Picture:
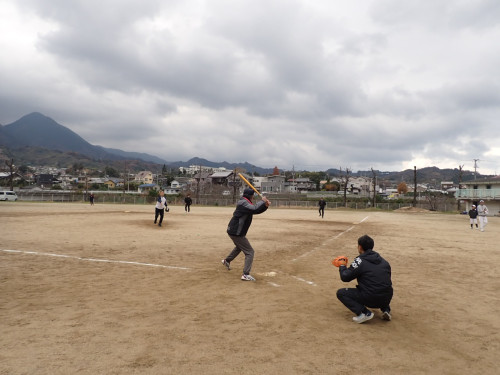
(249, 184)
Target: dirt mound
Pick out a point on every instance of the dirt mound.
(412, 209)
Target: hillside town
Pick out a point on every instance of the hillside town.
(209, 181)
(206, 180)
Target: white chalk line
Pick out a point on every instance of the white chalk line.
(94, 259)
(329, 240)
(305, 281)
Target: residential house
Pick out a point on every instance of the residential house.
(487, 189)
(175, 188)
(144, 177)
(299, 185)
(274, 184)
(112, 182)
(222, 178)
(146, 188)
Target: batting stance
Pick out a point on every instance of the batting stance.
(374, 288)
(238, 228)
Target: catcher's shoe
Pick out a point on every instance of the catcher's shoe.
(225, 263)
(386, 315)
(247, 278)
(361, 318)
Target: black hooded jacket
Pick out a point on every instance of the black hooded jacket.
(242, 216)
(373, 274)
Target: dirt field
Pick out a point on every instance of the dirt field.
(71, 303)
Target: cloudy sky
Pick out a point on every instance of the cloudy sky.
(321, 84)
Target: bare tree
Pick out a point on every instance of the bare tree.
(344, 180)
(10, 164)
(374, 188)
(236, 182)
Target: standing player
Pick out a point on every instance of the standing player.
(161, 205)
(322, 204)
(187, 203)
(374, 288)
(482, 212)
(473, 217)
(238, 228)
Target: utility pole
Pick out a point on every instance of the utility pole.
(475, 167)
(415, 186)
(460, 173)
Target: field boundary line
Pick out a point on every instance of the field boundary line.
(329, 240)
(93, 259)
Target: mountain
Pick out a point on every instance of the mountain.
(37, 130)
(38, 139)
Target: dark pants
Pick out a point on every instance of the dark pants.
(322, 211)
(187, 207)
(159, 211)
(354, 301)
(242, 244)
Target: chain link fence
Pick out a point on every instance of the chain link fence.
(114, 197)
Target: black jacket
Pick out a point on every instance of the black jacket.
(373, 274)
(473, 213)
(242, 216)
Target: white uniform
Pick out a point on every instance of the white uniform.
(482, 212)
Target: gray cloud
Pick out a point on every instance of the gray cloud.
(285, 83)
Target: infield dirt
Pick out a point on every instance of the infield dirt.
(71, 304)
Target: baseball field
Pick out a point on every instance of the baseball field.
(102, 290)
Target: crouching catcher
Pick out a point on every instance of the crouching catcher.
(373, 274)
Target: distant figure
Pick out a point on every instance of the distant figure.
(322, 204)
(482, 212)
(161, 205)
(473, 217)
(187, 203)
(91, 199)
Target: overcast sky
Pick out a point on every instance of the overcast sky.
(319, 84)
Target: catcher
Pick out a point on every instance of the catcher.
(374, 288)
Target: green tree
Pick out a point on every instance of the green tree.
(111, 172)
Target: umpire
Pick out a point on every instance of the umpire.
(374, 288)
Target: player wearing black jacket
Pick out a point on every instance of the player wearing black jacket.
(374, 288)
(238, 227)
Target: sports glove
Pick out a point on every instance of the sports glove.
(341, 260)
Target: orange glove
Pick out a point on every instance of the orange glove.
(341, 260)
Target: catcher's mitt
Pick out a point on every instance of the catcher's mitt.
(341, 260)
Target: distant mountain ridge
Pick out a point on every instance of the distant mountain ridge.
(37, 138)
(37, 130)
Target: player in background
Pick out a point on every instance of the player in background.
(187, 203)
(161, 205)
(238, 227)
(473, 217)
(482, 213)
(322, 204)
(374, 288)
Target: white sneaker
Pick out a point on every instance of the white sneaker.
(247, 278)
(386, 315)
(361, 318)
(225, 263)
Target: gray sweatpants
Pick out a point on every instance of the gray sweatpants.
(242, 244)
